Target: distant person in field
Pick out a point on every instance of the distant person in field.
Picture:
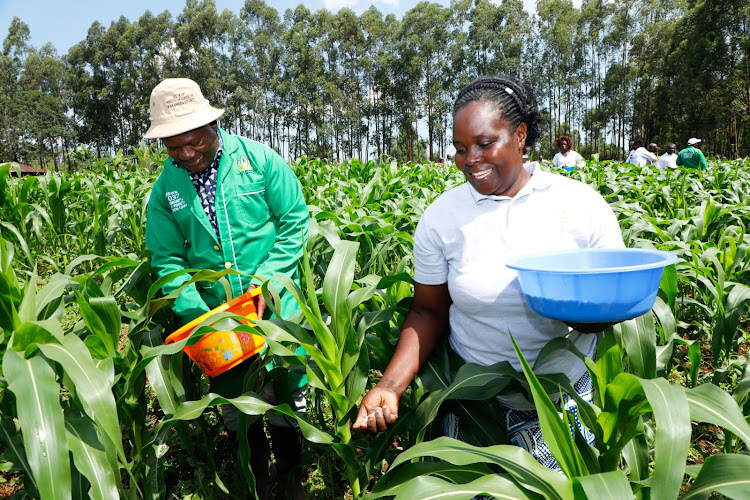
(668, 159)
(461, 244)
(567, 159)
(653, 148)
(692, 156)
(226, 202)
(639, 155)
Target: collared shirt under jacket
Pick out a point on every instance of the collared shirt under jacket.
(262, 220)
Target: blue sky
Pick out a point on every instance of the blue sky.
(65, 23)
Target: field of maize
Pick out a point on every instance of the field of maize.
(94, 405)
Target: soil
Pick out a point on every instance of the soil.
(13, 483)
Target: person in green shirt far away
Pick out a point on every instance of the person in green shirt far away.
(225, 202)
(691, 156)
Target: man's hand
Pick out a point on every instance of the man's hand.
(260, 302)
(378, 409)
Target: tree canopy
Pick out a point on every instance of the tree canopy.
(343, 85)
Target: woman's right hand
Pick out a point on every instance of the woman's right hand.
(378, 409)
(422, 328)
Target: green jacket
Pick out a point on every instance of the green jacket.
(263, 223)
(692, 158)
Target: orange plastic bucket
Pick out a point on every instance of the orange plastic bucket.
(217, 352)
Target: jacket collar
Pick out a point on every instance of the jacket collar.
(231, 145)
(539, 180)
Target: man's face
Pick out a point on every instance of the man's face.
(196, 149)
(671, 149)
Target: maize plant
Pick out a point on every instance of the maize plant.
(93, 404)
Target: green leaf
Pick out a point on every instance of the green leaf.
(669, 285)
(391, 482)
(639, 336)
(516, 461)
(21, 242)
(608, 485)
(40, 417)
(158, 375)
(336, 285)
(356, 382)
(36, 332)
(10, 299)
(555, 430)
(635, 454)
(472, 381)
(708, 403)
(608, 363)
(92, 386)
(666, 319)
(723, 474)
(429, 488)
(108, 311)
(250, 404)
(672, 440)
(90, 458)
(94, 323)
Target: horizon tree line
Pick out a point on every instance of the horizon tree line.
(340, 86)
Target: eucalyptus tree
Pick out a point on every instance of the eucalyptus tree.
(592, 28)
(303, 77)
(151, 57)
(557, 22)
(92, 105)
(707, 78)
(262, 51)
(378, 78)
(423, 41)
(200, 36)
(347, 38)
(649, 52)
(15, 48)
(41, 113)
(497, 35)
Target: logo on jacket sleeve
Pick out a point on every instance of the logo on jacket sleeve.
(175, 201)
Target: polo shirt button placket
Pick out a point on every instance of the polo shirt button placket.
(227, 265)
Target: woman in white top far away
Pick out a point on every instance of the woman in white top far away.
(567, 159)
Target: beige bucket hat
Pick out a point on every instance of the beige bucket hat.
(178, 106)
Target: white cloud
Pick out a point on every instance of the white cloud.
(392, 3)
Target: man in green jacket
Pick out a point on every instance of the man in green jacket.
(691, 156)
(225, 202)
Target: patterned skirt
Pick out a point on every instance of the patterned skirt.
(523, 426)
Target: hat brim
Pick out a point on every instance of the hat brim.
(186, 124)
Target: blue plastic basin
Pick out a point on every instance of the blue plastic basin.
(592, 285)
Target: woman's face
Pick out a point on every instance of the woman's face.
(564, 146)
(488, 150)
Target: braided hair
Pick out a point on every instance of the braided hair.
(514, 100)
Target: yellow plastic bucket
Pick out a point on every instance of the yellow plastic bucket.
(217, 352)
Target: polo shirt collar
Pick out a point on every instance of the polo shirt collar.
(539, 180)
